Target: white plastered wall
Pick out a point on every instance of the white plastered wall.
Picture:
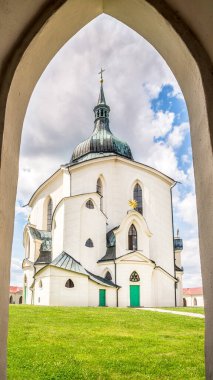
(124, 270)
(163, 289)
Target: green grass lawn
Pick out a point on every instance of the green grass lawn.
(197, 310)
(102, 344)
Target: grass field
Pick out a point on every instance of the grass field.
(103, 344)
(197, 310)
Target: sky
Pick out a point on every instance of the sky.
(147, 110)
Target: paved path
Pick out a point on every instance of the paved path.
(195, 315)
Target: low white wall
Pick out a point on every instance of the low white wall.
(190, 300)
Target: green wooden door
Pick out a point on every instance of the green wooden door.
(134, 295)
(102, 297)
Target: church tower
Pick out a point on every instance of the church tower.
(102, 142)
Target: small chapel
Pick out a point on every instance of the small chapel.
(100, 231)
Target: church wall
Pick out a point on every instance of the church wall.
(77, 230)
(62, 296)
(178, 258)
(58, 231)
(163, 289)
(92, 226)
(28, 274)
(94, 294)
(103, 267)
(119, 177)
(122, 244)
(54, 189)
(42, 294)
(179, 290)
(144, 271)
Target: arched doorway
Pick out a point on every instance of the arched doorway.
(20, 300)
(11, 299)
(184, 302)
(27, 56)
(195, 301)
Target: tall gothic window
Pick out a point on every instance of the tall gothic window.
(49, 214)
(137, 195)
(99, 189)
(132, 238)
(134, 277)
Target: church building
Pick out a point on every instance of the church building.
(100, 232)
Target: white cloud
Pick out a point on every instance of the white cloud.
(187, 210)
(191, 263)
(162, 123)
(176, 137)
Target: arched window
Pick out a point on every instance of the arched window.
(195, 302)
(49, 214)
(69, 284)
(137, 195)
(89, 243)
(132, 237)
(99, 189)
(20, 300)
(89, 204)
(184, 302)
(11, 299)
(134, 277)
(108, 276)
(40, 284)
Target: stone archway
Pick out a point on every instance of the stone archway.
(47, 23)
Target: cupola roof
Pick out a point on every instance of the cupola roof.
(102, 142)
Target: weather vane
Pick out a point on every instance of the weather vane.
(101, 73)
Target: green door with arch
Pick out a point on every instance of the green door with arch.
(134, 295)
(102, 297)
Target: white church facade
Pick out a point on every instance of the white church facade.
(85, 245)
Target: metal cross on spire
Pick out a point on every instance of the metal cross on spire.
(101, 73)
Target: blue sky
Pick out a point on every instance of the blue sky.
(147, 110)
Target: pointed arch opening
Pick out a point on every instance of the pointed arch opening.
(99, 189)
(90, 204)
(89, 243)
(69, 284)
(134, 277)
(137, 195)
(108, 276)
(11, 299)
(49, 214)
(132, 238)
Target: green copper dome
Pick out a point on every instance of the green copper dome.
(102, 142)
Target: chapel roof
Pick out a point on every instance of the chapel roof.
(193, 291)
(65, 261)
(102, 141)
(15, 289)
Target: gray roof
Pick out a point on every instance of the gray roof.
(111, 246)
(39, 234)
(45, 257)
(110, 255)
(65, 261)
